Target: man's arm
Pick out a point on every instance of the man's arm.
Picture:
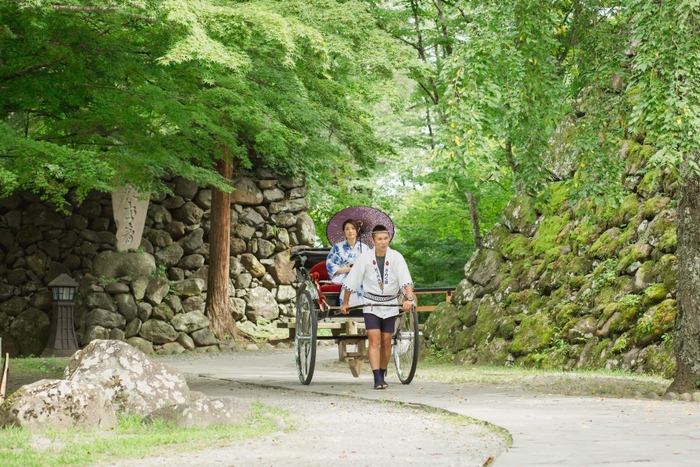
(409, 299)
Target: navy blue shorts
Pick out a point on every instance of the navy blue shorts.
(375, 322)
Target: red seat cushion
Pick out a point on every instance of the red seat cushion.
(322, 271)
(331, 288)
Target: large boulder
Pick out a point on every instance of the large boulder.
(193, 241)
(306, 230)
(282, 270)
(135, 383)
(204, 337)
(189, 322)
(170, 256)
(141, 344)
(31, 331)
(189, 214)
(126, 305)
(251, 263)
(157, 289)
(203, 413)
(104, 318)
(261, 305)
(189, 287)
(158, 331)
(185, 188)
(289, 205)
(58, 404)
(482, 266)
(245, 192)
(519, 215)
(14, 306)
(113, 264)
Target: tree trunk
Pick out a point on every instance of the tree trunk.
(686, 336)
(218, 308)
(474, 216)
(514, 167)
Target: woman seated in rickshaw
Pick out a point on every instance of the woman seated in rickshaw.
(343, 255)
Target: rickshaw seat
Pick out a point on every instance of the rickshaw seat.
(320, 274)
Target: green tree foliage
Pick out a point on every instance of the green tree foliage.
(96, 95)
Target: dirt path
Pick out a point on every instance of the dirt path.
(341, 431)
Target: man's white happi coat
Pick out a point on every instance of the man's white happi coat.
(377, 289)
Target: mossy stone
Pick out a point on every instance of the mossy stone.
(657, 321)
(506, 327)
(467, 314)
(669, 241)
(663, 222)
(466, 292)
(637, 155)
(516, 247)
(579, 265)
(527, 301)
(553, 198)
(463, 340)
(565, 313)
(487, 321)
(653, 206)
(606, 245)
(519, 214)
(496, 237)
(547, 233)
(628, 314)
(630, 234)
(654, 294)
(640, 251)
(621, 344)
(599, 354)
(665, 316)
(651, 183)
(625, 211)
(495, 353)
(483, 266)
(439, 328)
(660, 360)
(667, 268)
(535, 333)
(576, 282)
(583, 235)
(547, 361)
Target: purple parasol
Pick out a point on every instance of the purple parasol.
(369, 217)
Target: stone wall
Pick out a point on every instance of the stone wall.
(152, 297)
(569, 285)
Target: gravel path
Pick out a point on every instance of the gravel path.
(341, 431)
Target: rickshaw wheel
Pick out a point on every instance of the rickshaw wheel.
(405, 345)
(305, 341)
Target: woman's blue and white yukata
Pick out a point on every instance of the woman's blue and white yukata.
(343, 255)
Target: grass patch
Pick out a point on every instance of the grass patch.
(28, 370)
(439, 367)
(130, 439)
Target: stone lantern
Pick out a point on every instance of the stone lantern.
(62, 341)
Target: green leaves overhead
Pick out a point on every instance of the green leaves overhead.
(140, 88)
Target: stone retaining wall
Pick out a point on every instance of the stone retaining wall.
(152, 297)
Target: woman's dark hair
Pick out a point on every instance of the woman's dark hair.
(355, 223)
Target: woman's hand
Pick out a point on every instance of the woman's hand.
(407, 305)
(344, 309)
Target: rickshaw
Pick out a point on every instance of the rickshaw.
(317, 301)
